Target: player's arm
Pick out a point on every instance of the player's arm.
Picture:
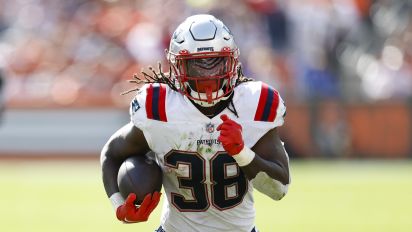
(127, 141)
(269, 168)
(266, 164)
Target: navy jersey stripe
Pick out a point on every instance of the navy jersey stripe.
(155, 102)
(268, 105)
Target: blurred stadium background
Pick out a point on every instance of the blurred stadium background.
(344, 68)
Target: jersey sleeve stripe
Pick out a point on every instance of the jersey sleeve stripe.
(261, 103)
(268, 104)
(162, 103)
(149, 100)
(274, 107)
(156, 102)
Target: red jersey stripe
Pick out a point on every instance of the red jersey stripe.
(149, 102)
(262, 102)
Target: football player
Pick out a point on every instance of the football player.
(213, 131)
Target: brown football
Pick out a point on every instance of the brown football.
(139, 175)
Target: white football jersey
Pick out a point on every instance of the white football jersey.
(205, 188)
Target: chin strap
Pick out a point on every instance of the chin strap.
(208, 96)
(209, 101)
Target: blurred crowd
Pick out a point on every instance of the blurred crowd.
(323, 54)
(81, 52)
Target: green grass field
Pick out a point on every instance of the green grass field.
(324, 196)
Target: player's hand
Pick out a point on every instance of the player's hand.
(230, 135)
(130, 213)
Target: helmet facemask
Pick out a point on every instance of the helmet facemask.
(206, 78)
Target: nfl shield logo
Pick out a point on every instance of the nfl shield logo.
(210, 128)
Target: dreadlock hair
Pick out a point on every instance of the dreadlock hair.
(154, 77)
(166, 78)
(241, 78)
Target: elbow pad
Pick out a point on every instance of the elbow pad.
(269, 186)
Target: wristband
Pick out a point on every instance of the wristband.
(244, 157)
(117, 200)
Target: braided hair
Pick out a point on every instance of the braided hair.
(153, 77)
(166, 78)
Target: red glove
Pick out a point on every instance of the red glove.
(230, 135)
(129, 213)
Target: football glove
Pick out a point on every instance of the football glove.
(230, 135)
(232, 141)
(130, 213)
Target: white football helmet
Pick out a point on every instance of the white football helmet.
(204, 59)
